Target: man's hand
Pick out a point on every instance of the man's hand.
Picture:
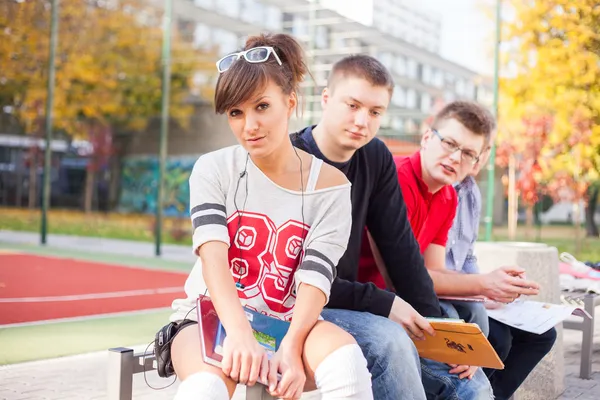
(506, 284)
(413, 323)
(463, 371)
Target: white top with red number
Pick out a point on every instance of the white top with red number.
(273, 247)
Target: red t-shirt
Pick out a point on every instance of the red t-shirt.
(430, 215)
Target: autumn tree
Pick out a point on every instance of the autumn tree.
(108, 70)
(552, 65)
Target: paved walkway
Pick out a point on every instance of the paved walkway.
(84, 377)
(100, 245)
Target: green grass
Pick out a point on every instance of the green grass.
(137, 227)
(560, 236)
(36, 342)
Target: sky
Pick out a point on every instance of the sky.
(467, 33)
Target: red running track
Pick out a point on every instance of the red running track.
(31, 287)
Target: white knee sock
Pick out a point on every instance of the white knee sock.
(343, 375)
(202, 386)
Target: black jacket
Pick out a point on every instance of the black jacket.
(377, 202)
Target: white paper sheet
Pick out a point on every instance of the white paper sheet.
(534, 316)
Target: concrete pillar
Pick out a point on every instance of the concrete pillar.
(540, 262)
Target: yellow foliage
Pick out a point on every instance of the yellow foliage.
(553, 65)
(108, 64)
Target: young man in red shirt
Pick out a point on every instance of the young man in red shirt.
(449, 150)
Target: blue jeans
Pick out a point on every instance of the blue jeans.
(521, 351)
(395, 366)
(440, 385)
(469, 311)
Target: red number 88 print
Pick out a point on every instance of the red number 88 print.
(264, 258)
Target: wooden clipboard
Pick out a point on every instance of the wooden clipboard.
(458, 343)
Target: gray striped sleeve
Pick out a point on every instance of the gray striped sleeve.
(316, 261)
(208, 214)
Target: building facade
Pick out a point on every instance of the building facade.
(403, 38)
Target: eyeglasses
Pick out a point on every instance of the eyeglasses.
(253, 55)
(450, 146)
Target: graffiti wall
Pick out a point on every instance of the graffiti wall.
(139, 178)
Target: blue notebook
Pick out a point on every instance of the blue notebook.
(268, 331)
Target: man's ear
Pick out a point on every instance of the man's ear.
(325, 97)
(425, 138)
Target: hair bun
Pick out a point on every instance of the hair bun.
(287, 48)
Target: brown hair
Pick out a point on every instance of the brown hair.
(243, 79)
(364, 67)
(471, 115)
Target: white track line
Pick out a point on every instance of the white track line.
(85, 318)
(93, 296)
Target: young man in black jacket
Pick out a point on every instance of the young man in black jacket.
(358, 93)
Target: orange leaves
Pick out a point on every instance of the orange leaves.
(555, 64)
(108, 64)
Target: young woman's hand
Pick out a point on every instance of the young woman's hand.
(243, 358)
(288, 362)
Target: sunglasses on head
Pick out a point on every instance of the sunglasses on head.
(253, 55)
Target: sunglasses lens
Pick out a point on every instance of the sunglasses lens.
(257, 55)
(226, 62)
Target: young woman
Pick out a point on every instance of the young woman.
(270, 224)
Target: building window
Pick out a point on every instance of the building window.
(449, 96)
(412, 68)
(300, 27)
(387, 59)
(411, 98)
(202, 37)
(385, 121)
(450, 79)
(400, 65)
(469, 90)
(274, 18)
(399, 97)
(438, 78)
(252, 12)
(460, 87)
(230, 8)
(427, 74)
(425, 102)
(226, 40)
(186, 29)
(322, 37)
(398, 124)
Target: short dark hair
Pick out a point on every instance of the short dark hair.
(243, 79)
(361, 66)
(473, 116)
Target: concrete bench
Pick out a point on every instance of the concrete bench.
(589, 301)
(123, 363)
(540, 262)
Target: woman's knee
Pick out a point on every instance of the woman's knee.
(323, 340)
(187, 359)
